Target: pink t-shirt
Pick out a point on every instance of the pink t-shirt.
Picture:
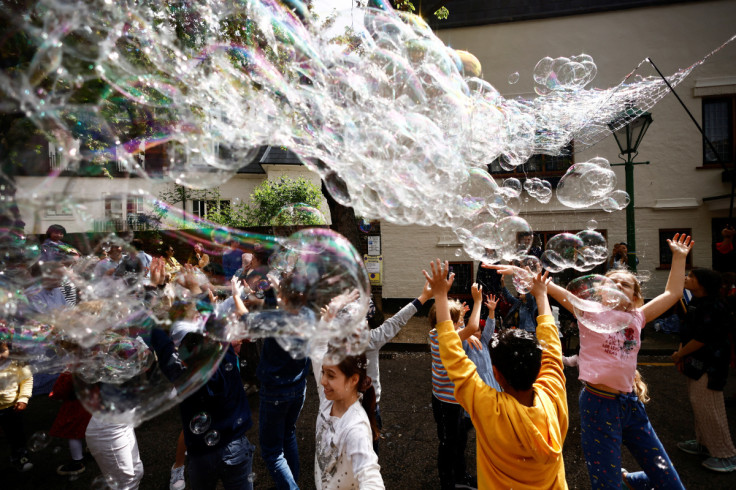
(610, 358)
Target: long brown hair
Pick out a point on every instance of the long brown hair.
(357, 365)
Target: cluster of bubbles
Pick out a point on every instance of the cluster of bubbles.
(306, 288)
(581, 251)
(364, 97)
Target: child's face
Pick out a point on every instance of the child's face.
(337, 386)
(691, 282)
(626, 284)
(4, 352)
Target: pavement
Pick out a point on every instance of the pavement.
(409, 442)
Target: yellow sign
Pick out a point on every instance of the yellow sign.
(374, 266)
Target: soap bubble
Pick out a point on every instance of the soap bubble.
(591, 224)
(523, 278)
(200, 423)
(586, 183)
(539, 189)
(513, 78)
(212, 438)
(38, 441)
(599, 304)
(102, 482)
(299, 214)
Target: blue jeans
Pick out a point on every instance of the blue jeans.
(607, 420)
(277, 435)
(231, 464)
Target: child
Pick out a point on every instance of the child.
(610, 411)
(519, 432)
(703, 357)
(481, 357)
(16, 386)
(70, 423)
(346, 426)
(452, 429)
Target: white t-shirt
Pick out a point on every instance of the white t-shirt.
(344, 456)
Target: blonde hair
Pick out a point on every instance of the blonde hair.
(640, 387)
(456, 308)
(638, 298)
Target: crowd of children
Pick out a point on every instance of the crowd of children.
(508, 385)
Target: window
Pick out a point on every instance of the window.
(718, 115)
(546, 167)
(460, 288)
(113, 207)
(200, 208)
(665, 254)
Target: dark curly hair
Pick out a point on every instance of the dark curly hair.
(517, 355)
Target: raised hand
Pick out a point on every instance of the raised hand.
(438, 280)
(476, 292)
(539, 284)
(491, 302)
(681, 244)
(426, 293)
(504, 269)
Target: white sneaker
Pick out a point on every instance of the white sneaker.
(177, 478)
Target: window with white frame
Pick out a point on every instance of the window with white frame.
(200, 208)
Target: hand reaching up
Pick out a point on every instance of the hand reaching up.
(439, 280)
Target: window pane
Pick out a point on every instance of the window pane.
(717, 125)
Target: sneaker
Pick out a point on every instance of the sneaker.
(177, 478)
(22, 464)
(721, 465)
(625, 480)
(72, 468)
(467, 482)
(692, 447)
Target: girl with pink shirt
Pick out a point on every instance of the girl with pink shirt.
(610, 411)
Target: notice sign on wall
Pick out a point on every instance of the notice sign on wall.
(374, 245)
(374, 266)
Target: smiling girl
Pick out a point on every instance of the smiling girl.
(346, 426)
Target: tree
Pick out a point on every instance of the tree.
(271, 200)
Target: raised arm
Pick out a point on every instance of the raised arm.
(680, 246)
(559, 293)
(391, 327)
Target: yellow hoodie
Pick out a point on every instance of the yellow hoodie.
(517, 447)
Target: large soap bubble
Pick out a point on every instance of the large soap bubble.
(599, 304)
(124, 313)
(582, 251)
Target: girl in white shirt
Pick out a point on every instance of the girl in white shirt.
(346, 426)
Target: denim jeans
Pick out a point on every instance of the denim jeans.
(231, 464)
(277, 435)
(608, 420)
(452, 432)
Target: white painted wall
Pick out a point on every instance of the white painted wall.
(674, 37)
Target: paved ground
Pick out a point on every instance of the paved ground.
(408, 450)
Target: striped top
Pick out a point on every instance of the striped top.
(442, 388)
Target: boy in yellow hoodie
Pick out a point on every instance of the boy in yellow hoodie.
(519, 431)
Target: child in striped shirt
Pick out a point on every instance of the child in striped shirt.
(452, 425)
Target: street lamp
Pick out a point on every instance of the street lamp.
(628, 128)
